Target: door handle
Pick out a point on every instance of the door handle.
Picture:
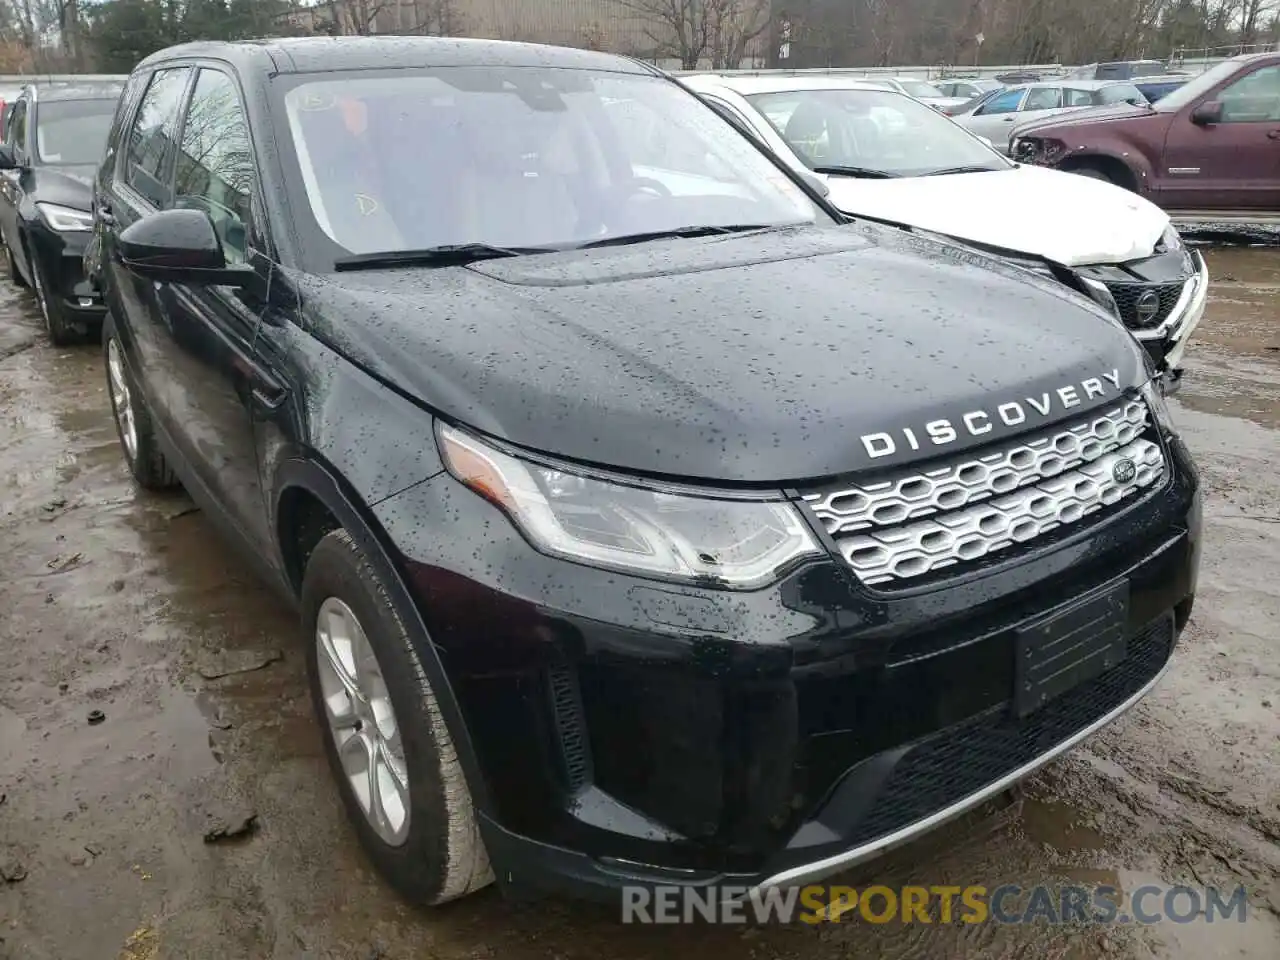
(105, 214)
(1273, 134)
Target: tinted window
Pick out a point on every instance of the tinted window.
(1253, 98)
(17, 133)
(214, 168)
(1006, 102)
(520, 157)
(73, 131)
(1043, 98)
(153, 131)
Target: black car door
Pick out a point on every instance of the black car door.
(139, 184)
(215, 385)
(11, 182)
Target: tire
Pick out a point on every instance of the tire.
(15, 275)
(1093, 173)
(62, 330)
(147, 464)
(434, 853)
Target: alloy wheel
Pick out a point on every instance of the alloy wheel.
(122, 400)
(362, 721)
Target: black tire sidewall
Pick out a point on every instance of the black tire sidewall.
(148, 465)
(338, 568)
(61, 331)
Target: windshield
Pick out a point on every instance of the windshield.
(73, 131)
(1196, 87)
(523, 157)
(1120, 93)
(918, 88)
(872, 130)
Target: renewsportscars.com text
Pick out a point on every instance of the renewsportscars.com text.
(1007, 904)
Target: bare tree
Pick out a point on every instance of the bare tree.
(677, 28)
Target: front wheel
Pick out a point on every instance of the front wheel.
(1093, 173)
(62, 330)
(397, 769)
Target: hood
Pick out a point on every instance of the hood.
(69, 186)
(945, 102)
(757, 358)
(1065, 218)
(1074, 117)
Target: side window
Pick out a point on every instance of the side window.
(1072, 97)
(1254, 98)
(214, 166)
(738, 122)
(1043, 98)
(17, 133)
(154, 129)
(1007, 102)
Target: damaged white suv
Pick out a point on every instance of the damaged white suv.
(887, 157)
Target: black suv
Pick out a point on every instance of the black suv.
(54, 137)
(648, 524)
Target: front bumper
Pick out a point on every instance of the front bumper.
(61, 258)
(631, 732)
(1181, 281)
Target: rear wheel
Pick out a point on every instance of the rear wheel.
(133, 419)
(390, 751)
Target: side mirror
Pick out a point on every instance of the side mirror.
(180, 246)
(7, 160)
(816, 182)
(1208, 112)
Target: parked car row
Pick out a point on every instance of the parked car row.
(1208, 151)
(884, 155)
(650, 520)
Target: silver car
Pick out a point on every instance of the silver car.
(995, 116)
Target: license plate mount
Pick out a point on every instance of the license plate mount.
(1069, 647)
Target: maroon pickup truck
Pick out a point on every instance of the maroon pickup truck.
(1209, 150)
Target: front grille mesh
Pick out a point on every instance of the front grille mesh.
(1129, 295)
(914, 525)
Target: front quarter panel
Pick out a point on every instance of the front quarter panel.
(362, 431)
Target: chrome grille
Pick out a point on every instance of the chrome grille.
(914, 525)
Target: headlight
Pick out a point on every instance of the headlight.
(1171, 239)
(65, 219)
(1159, 406)
(1099, 293)
(645, 530)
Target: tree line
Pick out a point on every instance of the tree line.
(112, 35)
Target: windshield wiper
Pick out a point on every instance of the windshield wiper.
(449, 255)
(972, 168)
(709, 230)
(865, 172)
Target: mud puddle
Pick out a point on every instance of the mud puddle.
(116, 601)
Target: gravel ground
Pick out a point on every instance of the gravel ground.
(116, 601)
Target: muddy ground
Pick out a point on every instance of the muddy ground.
(127, 603)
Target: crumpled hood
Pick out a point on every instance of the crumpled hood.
(1118, 111)
(757, 358)
(1069, 219)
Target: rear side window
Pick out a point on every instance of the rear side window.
(1121, 93)
(1077, 98)
(1006, 102)
(1044, 98)
(154, 129)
